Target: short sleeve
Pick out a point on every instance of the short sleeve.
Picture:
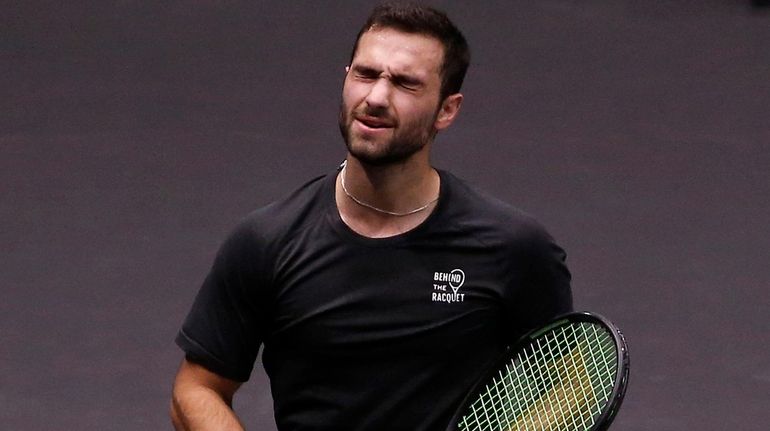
(545, 291)
(225, 326)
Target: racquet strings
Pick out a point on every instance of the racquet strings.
(561, 381)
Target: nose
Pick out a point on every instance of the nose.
(379, 94)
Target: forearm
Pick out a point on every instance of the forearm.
(202, 400)
(200, 408)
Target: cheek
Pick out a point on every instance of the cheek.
(416, 112)
(352, 94)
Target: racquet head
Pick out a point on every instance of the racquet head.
(570, 375)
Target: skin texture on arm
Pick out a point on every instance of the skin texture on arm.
(202, 400)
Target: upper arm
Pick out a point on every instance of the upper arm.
(225, 326)
(543, 288)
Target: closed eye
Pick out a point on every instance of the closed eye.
(407, 82)
(365, 73)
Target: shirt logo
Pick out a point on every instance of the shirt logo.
(454, 280)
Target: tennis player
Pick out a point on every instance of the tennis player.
(381, 290)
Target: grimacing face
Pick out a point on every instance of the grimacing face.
(391, 96)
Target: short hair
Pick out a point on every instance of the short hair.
(425, 20)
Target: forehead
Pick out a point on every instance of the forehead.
(391, 49)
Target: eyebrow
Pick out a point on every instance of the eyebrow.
(365, 70)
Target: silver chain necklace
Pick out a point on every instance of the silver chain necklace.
(372, 207)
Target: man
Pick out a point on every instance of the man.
(381, 291)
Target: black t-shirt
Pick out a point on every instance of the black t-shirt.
(373, 334)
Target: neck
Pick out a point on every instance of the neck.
(396, 188)
(382, 201)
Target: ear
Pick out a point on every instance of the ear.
(448, 111)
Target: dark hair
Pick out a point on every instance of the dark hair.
(414, 18)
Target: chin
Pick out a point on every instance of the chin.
(391, 156)
(383, 151)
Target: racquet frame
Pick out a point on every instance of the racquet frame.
(545, 402)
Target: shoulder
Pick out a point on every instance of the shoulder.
(275, 221)
(492, 219)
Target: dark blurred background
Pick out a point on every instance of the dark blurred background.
(133, 135)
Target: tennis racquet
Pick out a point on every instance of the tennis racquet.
(570, 375)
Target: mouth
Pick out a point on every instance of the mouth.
(374, 123)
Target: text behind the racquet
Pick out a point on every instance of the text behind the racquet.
(570, 375)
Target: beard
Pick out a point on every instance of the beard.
(406, 138)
